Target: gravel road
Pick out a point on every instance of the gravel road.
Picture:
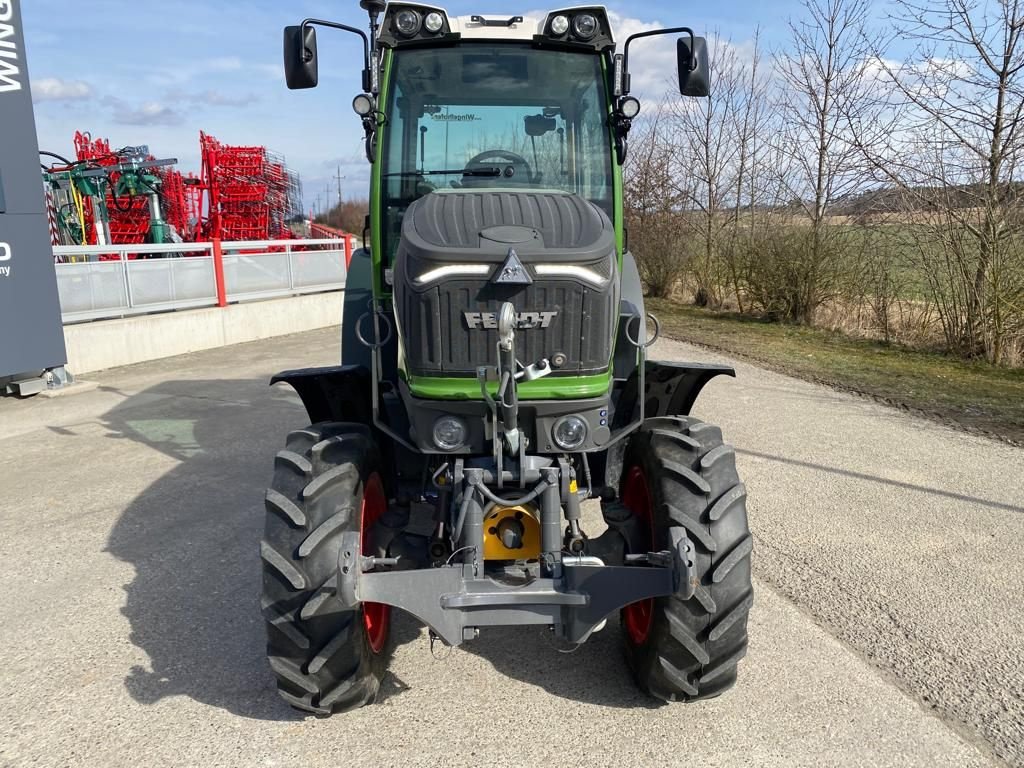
(886, 628)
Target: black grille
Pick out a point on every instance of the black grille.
(439, 342)
(454, 229)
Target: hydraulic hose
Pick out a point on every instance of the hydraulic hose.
(537, 491)
(55, 156)
(494, 498)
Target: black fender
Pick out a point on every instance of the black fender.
(339, 393)
(670, 389)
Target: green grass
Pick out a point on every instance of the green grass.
(973, 395)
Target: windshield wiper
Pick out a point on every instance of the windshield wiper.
(463, 171)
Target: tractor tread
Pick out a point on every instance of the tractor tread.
(722, 625)
(712, 457)
(689, 476)
(280, 504)
(352, 688)
(356, 441)
(735, 494)
(682, 633)
(304, 703)
(317, 485)
(723, 665)
(703, 596)
(323, 593)
(671, 423)
(694, 527)
(287, 670)
(699, 428)
(677, 437)
(323, 531)
(282, 565)
(677, 677)
(307, 434)
(295, 461)
(328, 651)
(726, 564)
(286, 625)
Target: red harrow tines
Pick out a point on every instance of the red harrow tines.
(173, 201)
(244, 193)
(251, 193)
(127, 216)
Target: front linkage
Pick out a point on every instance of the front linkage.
(570, 587)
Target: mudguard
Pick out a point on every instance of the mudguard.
(339, 393)
(673, 388)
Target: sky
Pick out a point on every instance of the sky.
(157, 73)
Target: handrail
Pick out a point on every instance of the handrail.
(215, 273)
(227, 245)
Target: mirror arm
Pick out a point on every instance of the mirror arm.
(622, 83)
(369, 80)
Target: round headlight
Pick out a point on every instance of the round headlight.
(629, 106)
(569, 433)
(434, 22)
(450, 433)
(362, 104)
(560, 25)
(585, 26)
(407, 22)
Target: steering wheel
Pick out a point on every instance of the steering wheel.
(514, 168)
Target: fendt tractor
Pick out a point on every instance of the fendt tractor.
(495, 376)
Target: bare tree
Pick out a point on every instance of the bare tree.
(825, 93)
(715, 143)
(955, 159)
(652, 209)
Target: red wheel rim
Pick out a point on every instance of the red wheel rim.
(375, 615)
(636, 495)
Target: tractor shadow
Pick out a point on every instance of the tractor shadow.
(193, 536)
(593, 673)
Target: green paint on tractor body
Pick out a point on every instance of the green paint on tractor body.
(550, 388)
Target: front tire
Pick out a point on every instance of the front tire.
(678, 472)
(326, 482)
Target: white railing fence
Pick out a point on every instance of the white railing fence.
(137, 279)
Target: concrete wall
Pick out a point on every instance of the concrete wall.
(112, 343)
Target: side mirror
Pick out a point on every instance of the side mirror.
(300, 62)
(694, 67)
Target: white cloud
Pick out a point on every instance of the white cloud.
(148, 113)
(211, 97)
(55, 89)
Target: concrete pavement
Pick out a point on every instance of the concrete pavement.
(887, 563)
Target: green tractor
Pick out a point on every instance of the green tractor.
(495, 376)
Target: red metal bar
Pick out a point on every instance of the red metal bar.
(348, 251)
(218, 273)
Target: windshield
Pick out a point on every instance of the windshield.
(494, 116)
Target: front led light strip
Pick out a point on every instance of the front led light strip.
(570, 270)
(453, 270)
